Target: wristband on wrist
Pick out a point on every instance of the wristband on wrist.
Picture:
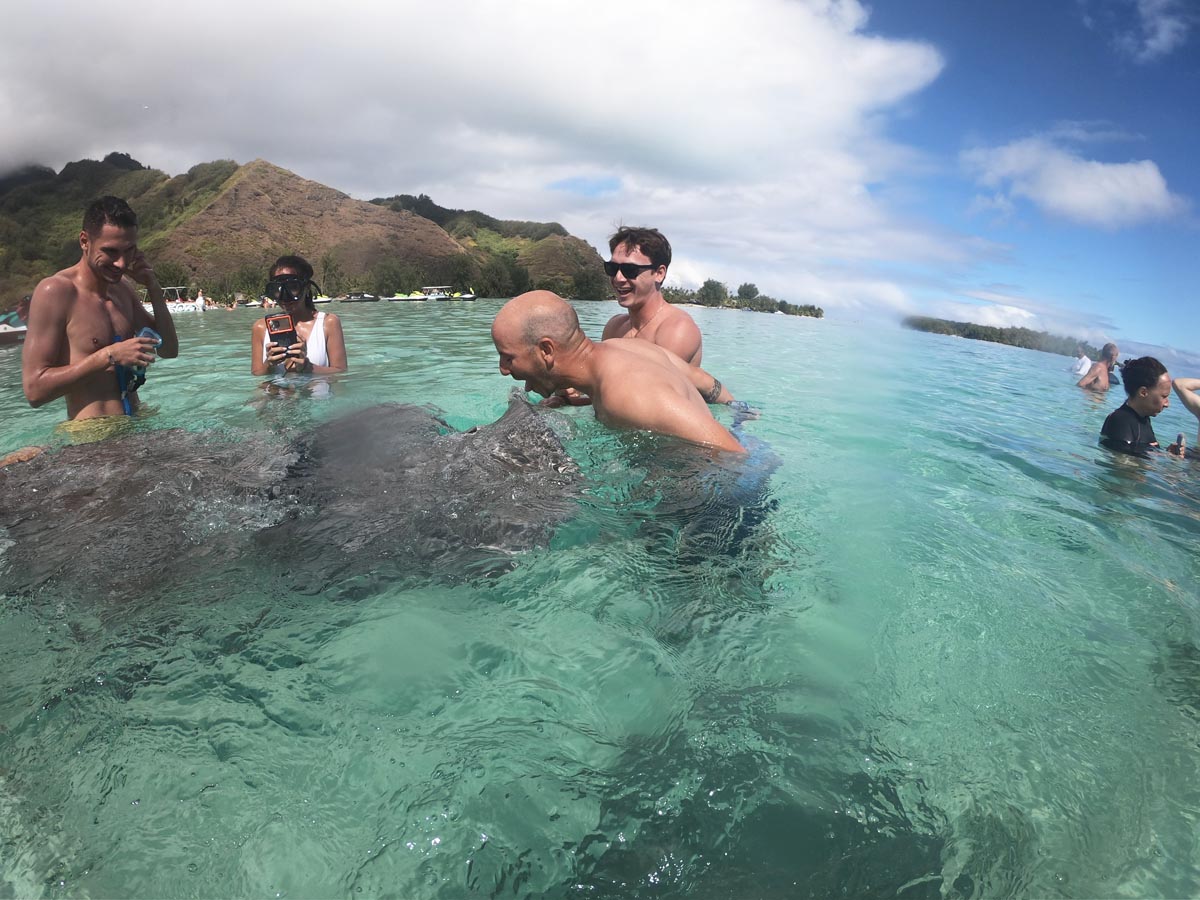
(111, 361)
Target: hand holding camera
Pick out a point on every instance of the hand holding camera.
(285, 348)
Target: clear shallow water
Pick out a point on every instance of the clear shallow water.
(958, 658)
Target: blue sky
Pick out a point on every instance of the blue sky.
(997, 161)
(1102, 83)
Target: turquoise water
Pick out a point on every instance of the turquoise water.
(959, 657)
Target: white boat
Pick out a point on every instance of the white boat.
(11, 334)
(322, 299)
(445, 292)
(177, 301)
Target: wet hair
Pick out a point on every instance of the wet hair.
(1143, 372)
(650, 241)
(108, 210)
(299, 263)
(1109, 351)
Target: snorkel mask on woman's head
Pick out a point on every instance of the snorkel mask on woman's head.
(290, 289)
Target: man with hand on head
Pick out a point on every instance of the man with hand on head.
(82, 342)
(632, 384)
(1148, 392)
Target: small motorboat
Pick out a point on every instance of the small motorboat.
(10, 335)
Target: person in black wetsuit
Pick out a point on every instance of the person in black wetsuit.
(1148, 392)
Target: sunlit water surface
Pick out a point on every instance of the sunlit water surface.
(958, 658)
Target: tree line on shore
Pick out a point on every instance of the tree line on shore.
(1013, 336)
(714, 293)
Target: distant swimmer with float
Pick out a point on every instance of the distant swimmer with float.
(1100, 376)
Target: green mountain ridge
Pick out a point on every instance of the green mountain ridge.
(220, 225)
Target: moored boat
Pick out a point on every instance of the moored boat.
(11, 334)
(446, 292)
(177, 300)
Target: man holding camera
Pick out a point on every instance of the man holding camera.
(82, 341)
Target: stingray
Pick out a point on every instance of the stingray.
(394, 485)
(390, 488)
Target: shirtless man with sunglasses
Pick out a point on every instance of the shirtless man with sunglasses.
(640, 257)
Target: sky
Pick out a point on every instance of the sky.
(1006, 162)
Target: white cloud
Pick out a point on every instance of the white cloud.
(1162, 28)
(751, 131)
(1065, 185)
(1142, 30)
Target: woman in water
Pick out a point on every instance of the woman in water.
(319, 347)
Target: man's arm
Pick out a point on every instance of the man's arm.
(612, 328)
(682, 337)
(161, 321)
(631, 403)
(1092, 378)
(1185, 390)
(709, 387)
(335, 346)
(258, 364)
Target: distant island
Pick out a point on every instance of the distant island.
(714, 293)
(1016, 337)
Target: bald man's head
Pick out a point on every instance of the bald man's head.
(531, 332)
(539, 314)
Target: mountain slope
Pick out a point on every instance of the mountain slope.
(220, 225)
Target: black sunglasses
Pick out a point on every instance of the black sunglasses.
(288, 287)
(629, 270)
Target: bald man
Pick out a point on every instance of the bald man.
(632, 384)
